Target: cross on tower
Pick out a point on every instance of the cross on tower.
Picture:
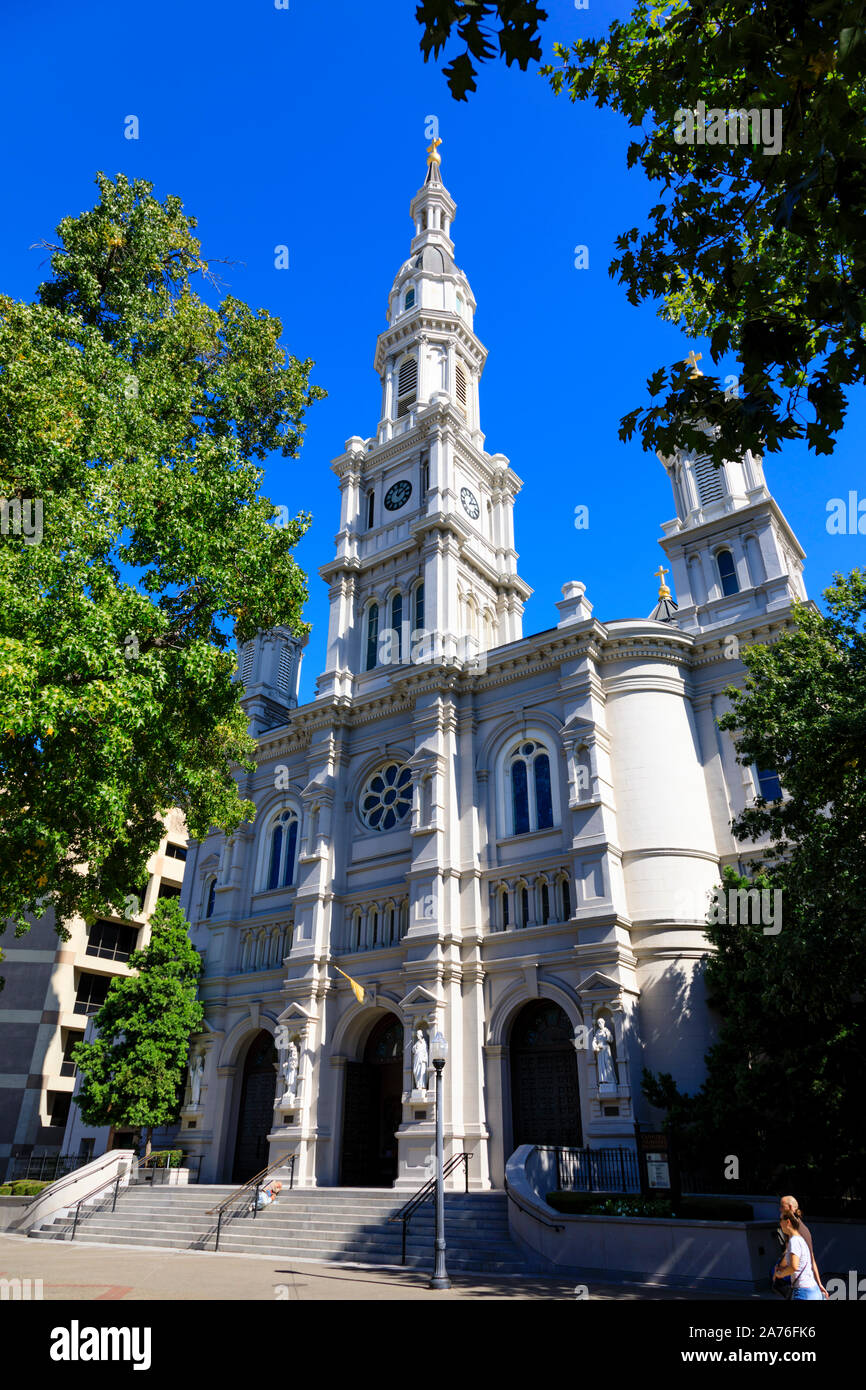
(693, 359)
(433, 155)
(660, 576)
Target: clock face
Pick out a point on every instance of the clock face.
(470, 502)
(398, 495)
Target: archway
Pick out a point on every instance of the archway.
(256, 1111)
(545, 1100)
(372, 1108)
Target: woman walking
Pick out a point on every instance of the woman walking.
(797, 1261)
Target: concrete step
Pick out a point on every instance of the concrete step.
(328, 1224)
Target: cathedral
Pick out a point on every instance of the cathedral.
(510, 840)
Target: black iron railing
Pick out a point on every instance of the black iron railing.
(427, 1192)
(595, 1170)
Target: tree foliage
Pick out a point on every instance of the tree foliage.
(783, 1081)
(517, 34)
(131, 1073)
(132, 419)
(761, 253)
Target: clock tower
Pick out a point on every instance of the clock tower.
(425, 569)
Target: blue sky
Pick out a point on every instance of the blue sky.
(305, 127)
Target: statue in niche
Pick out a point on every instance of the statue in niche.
(290, 1069)
(196, 1076)
(602, 1046)
(420, 1061)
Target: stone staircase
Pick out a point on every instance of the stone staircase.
(325, 1223)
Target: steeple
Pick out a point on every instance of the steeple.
(431, 310)
(426, 539)
(731, 549)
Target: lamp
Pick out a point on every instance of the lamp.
(438, 1056)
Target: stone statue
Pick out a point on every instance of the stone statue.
(196, 1076)
(290, 1070)
(420, 1062)
(602, 1040)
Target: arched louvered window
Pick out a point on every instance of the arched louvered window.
(709, 479)
(409, 301)
(210, 899)
(371, 508)
(425, 477)
(372, 636)
(284, 673)
(419, 607)
(407, 384)
(727, 572)
(460, 378)
(246, 662)
(531, 794)
(397, 624)
(282, 851)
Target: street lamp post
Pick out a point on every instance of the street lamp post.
(438, 1054)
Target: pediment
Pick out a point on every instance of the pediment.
(419, 995)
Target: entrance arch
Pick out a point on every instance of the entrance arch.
(373, 1108)
(545, 1099)
(256, 1111)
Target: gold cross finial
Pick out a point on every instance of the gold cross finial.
(664, 591)
(433, 155)
(693, 359)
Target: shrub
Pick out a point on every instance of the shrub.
(633, 1204)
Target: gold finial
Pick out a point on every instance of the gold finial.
(693, 359)
(433, 155)
(664, 591)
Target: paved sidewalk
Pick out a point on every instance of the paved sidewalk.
(113, 1272)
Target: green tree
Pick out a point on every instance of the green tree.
(761, 253)
(133, 416)
(783, 1081)
(131, 1073)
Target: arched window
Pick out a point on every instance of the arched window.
(425, 477)
(210, 897)
(372, 636)
(769, 785)
(371, 507)
(397, 623)
(727, 572)
(460, 305)
(460, 382)
(418, 616)
(282, 851)
(545, 904)
(407, 384)
(409, 301)
(531, 795)
(565, 893)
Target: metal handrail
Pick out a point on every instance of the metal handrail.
(424, 1194)
(89, 1198)
(75, 1175)
(255, 1182)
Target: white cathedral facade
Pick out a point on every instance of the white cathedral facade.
(501, 837)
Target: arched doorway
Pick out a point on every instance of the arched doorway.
(545, 1101)
(256, 1113)
(372, 1108)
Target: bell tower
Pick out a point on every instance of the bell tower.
(733, 554)
(426, 569)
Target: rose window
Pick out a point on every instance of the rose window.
(387, 797)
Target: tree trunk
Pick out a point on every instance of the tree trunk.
(147, 1141)
(110, 1143)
